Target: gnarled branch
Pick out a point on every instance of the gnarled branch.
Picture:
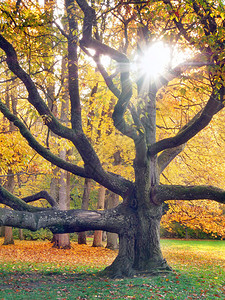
(16, 203)
(124, 64)
(163, 193)
(200, 121)
(167, 156)
(41, 195)
(66, 221)
(44, 152)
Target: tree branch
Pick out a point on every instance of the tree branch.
(73, 67)
(124, 64)
(107, 78)
(167, 156)
(163, 193)
(41, 195)
(16, 203)
(200, 121)
(47, 154)
(58, 221)
(34, 97)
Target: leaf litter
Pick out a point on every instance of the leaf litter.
(35, 270)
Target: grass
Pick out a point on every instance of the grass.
(199, 273)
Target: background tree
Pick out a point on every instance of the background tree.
(193, 27)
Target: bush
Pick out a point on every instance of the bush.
(41, 234)
(180, 231)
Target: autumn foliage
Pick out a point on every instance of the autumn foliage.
(42, 252)
(150, 137)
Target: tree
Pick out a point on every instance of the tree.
(97, 240)
(194, 27)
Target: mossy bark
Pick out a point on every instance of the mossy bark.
(139, 248)
(148, 255)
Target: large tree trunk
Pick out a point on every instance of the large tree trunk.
(139, 246)
(85, 201)
(148, 255)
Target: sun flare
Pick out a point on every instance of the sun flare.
(155, 60)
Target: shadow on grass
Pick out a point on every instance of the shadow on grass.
(89, 285)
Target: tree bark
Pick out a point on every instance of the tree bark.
(85, 201)
(112, 238)
(139, 247)
(8, 238)
(2, 231)
(148, 255)
(62, 241)
(97, 241)
(21, 236)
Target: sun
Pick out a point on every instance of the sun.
(155, 60)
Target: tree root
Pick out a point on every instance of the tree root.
(123, 270)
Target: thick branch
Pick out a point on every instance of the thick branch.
(73, 67)
(121, 106)
(126, 85)
(163, 193)
(114, 220)
(167, 156)
(16, 203)
(34, 97)
(198, 61)
(47, 154)
(200, 121)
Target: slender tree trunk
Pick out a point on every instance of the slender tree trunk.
(85, 201)
(54, 191)
(97, 241)
(2, 229)
(62, 241)
(21, 236)
(8, 238)
(186, 233)
(112, 238)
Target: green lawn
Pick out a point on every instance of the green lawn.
(199, 273)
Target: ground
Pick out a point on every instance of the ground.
(34, 270)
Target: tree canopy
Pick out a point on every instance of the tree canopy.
(154, 113)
